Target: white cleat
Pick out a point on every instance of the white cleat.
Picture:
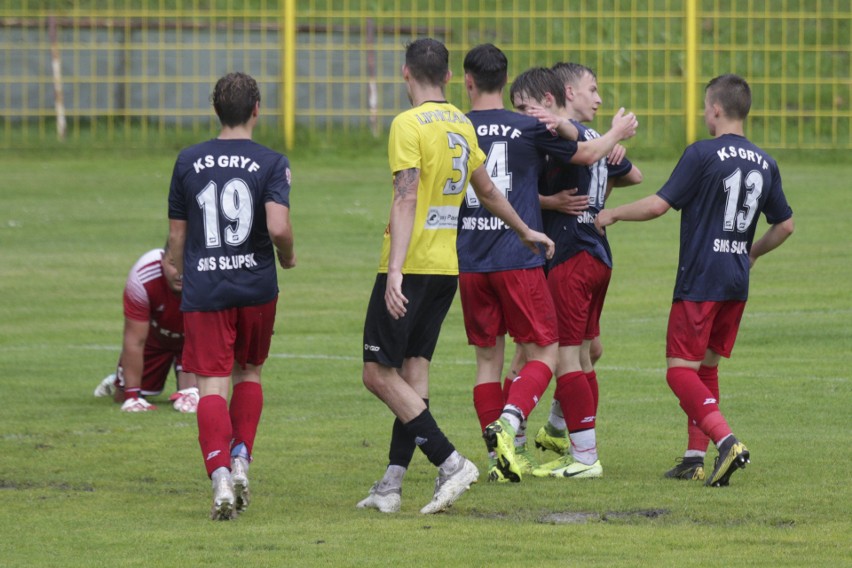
(186, 400)
(386, 501)
(137, 405)
(224, 500)
(448, 488)
(239, 475)
(107, 387)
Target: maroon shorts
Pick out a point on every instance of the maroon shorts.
(216, 340)
(157, 362)
(695, 327)
(578, 287)
(516, 301)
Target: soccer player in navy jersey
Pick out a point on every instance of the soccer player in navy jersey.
(721, 186)
(229, 217)
(433, 154)
(578, 274)
(502, 284)
(152, 341)
(582, 101)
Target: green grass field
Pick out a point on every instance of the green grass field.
(82, 484)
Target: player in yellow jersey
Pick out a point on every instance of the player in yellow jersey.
(433, 154)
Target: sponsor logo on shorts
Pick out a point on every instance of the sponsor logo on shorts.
(372, 348)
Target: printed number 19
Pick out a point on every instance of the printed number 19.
(236, 206)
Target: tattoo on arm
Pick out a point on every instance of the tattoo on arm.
(405, 182)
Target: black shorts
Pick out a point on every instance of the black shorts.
(388, 341)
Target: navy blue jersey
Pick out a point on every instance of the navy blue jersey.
(721, 186)
(220, 188)
(517, 146)
(575, 234)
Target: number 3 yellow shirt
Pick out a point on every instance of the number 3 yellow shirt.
(440, 141)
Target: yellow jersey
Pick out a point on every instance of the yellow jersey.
(439, 140)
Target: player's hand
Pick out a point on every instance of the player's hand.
(568, 202)
(395, 301)
(617, 155)
(625, 124)
(286, 261)
(550, 120)
(534, 239)
(604, 219)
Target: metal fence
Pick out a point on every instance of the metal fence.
(108, 71)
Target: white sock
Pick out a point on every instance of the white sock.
(556, 419)
(584, 447)
(451, 463)
(513, 417)
(694, 454)
(218, 473)
(393, 477)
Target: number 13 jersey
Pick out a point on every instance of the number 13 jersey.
(721, 186)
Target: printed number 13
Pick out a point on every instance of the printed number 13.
(741, 219)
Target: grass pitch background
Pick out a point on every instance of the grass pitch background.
(82, 484)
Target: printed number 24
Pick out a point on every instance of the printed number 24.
(497, 166)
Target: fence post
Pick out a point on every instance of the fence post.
(691, 71)
(288, 60)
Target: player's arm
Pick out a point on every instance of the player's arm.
(281, 232)
(402, 213)
(177, 240)
(771, 239)
(500, 207)
(624, 126)
(562, 126)
(633, 177)
(133, 352)
(645, 209)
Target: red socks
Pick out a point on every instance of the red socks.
(698, 440)
(246, 407)
(530, 385)
(488, 402)
(592, 377)
(576, 400)
(214, 432)
(698, 401)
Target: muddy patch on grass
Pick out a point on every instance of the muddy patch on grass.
(580, 517)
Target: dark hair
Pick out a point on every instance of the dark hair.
(732, 93)
(536, 82)
(571, 72)
(428, 61)
(234, 98)
(488, 67)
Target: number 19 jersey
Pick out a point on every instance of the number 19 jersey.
(721, 186)
(220, 188)
(439, 140)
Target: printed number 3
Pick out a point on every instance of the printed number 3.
(459, 164)
(741, 219)
(236, 207)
